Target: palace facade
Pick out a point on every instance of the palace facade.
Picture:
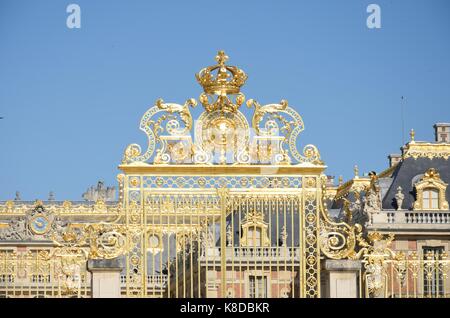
(227, 206)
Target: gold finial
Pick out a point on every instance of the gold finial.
(221, 58)
(356, 171)
(341, 180)
(412, 134)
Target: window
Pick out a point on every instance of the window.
(433, 282)
(6, 278)
(430, 192)
(40, 278)
(257, 286)
(430, 199)
(254, 236)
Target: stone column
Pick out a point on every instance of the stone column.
(105, 277)
(340, 278)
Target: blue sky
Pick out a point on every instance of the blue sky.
(72, 98)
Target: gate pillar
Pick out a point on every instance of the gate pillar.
(105, 277)
(340, 278)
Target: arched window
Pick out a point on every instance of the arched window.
(430, 199)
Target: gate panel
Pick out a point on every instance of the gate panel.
(264, 245)
(220, 242)
(407, 275)
(176, 232)
(39, 274)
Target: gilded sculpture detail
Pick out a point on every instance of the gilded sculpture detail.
(372, 200)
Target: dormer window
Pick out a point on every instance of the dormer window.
(430, 192)
(254, 230)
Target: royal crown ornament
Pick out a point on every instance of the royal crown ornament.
(221, 80)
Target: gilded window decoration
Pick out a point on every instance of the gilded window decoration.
(430, 192)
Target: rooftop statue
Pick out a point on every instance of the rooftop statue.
(373, 197)
(100, 193)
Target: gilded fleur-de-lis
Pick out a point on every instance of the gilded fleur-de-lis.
(221, 58)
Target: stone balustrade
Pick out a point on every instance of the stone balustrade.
(243, 254)
(405, 219)
(159, 281)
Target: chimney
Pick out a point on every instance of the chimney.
(442, 132)
(394, 159)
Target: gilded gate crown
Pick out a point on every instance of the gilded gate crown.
(222, 134)
(221, 79)
(221, 86)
